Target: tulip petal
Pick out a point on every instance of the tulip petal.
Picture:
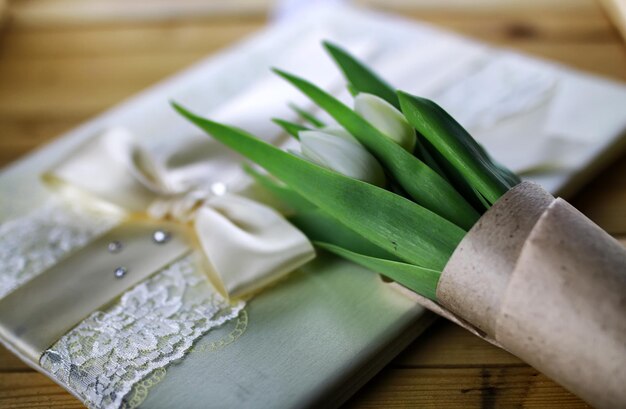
(343, 154)
(387, 119)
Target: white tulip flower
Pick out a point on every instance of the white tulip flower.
(335, 149)
(386, 118)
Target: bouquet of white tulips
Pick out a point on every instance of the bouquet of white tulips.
(398, 186)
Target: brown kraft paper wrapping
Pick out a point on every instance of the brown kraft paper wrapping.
(539, 279)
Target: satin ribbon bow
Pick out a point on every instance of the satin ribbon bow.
(247, 245)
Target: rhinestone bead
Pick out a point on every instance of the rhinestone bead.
(120, 272)
(218, 189)
(161, 236)
(114, 247)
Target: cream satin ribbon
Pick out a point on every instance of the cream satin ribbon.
(247, 245)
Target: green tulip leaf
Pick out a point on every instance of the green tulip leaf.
(291, 128)
(418, 279)
(306, 116)
(360, 77)
(456, 145)
(280, 191)
(319, 226)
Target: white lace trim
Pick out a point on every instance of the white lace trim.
(33, 243)
(151, 326)
(103, 358)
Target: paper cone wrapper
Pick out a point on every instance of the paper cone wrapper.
(536, 277)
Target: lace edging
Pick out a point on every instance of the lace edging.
(154, 324)
(141, 389)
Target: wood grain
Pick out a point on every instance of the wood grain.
(33, 390)
(57, 71)
(616, 10)
(484, 387)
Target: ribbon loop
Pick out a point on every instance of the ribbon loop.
(247, 245)
(248, 242)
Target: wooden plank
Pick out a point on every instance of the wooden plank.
(81, 86)
(20, 137)
(604, 199)
(80, 13)
(481, 6)
(616, 9)
(11, 363)
(201, 37)
(206, 36)
(607, 59)
(3, 12)
(58, 88)
(485, 387)
(578, 26)
(32, 390)
(447, 345)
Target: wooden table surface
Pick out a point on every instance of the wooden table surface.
(63, 61)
